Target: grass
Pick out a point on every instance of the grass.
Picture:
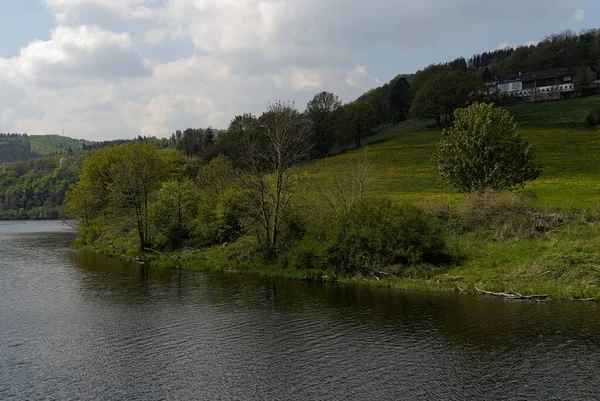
(404, 170)
(564, 263)
(568, 113)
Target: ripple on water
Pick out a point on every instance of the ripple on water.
(78, 326)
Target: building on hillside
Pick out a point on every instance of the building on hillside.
(542, 85)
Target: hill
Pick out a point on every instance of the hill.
(403, 168)
(50, 144)
(15, 147)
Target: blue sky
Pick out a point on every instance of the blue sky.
(101, 69)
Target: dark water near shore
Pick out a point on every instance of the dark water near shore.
(79, 326)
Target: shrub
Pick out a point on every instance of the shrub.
(380, 234)
(593, 118)
(312, 251)
(507, 216)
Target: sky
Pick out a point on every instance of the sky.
(107, 69)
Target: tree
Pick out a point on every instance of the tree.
(269, 157)
(321, 111)
(191, 142)
(137, 174)
(483, 150)
(359, 120)
(400, 99)
(230, 142)
(444, 93)
(175, 208)
(582, 82)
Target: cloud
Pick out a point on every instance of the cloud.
(579, 15)
(84, 52)
(5, 116)
(502, 45)
(116, 68)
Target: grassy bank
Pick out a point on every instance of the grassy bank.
(562, 261)
(564, 264)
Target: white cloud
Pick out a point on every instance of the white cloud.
(502, 45)
(5, 116)
(73, 53)
(531, 43)
(579, 15)
(114, 68)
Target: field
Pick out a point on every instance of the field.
(403, 168)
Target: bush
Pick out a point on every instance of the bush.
(377, 235)
(507, 216)
(593, 118)
(312, 251)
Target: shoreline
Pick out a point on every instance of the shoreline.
(210, 261)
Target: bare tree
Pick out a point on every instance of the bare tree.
(270, 156)
(347, 188)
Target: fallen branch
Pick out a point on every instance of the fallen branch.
(585, 300)
(515, 295)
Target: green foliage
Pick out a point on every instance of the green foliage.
(442, 94)
(400, 99)
(174, 209)
(119, 184)
(322, 111)
(50, 144)
(377, 235)
(358, 120)
(483, 150)
(15, 147)
(593, 118)
(36, 188)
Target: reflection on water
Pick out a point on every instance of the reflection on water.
(78, 325)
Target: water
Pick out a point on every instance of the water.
(78, 326)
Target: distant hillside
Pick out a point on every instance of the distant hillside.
(50, 144)
(21, 147)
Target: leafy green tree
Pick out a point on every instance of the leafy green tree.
(175, 208)
(359, 120)
(230, 142)
(137, 174)
(400, 99)
(444, 93)
(322, 111)
(483, 150)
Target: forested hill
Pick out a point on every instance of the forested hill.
(51, 144)
(14, 147)
(36, 188)
(567, 49)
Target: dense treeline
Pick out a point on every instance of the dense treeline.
(36, 188)
(53, 144)
(564, 50)
(15, 147)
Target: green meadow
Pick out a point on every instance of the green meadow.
(403, 168)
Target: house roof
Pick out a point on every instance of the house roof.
(535, 76)
(548, 74)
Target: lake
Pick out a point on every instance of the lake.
(75, 325)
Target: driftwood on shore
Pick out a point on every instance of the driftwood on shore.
(516, 295)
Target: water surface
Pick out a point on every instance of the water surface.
(78, 326)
